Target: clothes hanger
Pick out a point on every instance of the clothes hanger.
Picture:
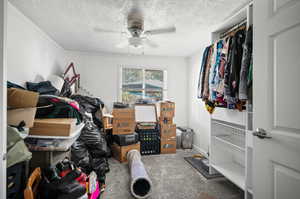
(231, 31)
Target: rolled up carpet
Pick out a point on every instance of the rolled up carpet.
(141, 184)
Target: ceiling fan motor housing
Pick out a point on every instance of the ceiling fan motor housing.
(135, 23)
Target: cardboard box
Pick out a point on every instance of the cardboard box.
(123, 126)
(123, 113)
(53, 127)
(120, 152)
(168, 145)
(167, 109)
(15, 116)
(168, 131)
(107, 121)
(19, 98)
(165, 120)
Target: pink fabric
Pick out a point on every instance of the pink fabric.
(74, 105)
(55, 100)
(96, 193)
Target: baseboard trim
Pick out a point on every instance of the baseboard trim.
(200, 150)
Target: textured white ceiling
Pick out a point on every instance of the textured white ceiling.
(71, 23)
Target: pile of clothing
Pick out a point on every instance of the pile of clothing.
(225, 78)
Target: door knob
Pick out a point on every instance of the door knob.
(261, 133)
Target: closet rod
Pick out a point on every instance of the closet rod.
(233, 28)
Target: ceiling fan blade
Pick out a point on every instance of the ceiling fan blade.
(161, 31)
(123, 44)
(150, 43)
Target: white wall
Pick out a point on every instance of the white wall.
(3, 104)
(100, 75)
(198, 117)
(30, 51)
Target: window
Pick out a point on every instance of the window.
(142, 84)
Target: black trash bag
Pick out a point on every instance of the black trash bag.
(88, 159)
(100, 166)
(90, 151)
(80, 155)
(93, 139)
(44, 88)
(89, 105)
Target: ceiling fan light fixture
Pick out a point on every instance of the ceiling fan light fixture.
(135, 42)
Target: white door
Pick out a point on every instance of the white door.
(3, 21)
(276, 165)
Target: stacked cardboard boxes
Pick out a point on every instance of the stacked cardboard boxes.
(124, 133)
(167, 128)
(21, 106)
(123, 121)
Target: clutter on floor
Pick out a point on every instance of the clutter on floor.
(56, 137)
(61, 141)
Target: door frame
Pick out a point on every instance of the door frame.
(3, 98)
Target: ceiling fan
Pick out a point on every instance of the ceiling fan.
(136, 35)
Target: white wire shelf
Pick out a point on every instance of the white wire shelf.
(235, 141)
(232, 126)
(232, 171)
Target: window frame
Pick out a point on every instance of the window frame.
(143, 68)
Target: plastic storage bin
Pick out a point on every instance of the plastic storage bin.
(52, 143)
(16, 181)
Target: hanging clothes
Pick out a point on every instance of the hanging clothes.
(225, 78)
(214, 77)
(247, 54)
(223, 62)
(232, 72)
(202, 72)
(205, 94)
